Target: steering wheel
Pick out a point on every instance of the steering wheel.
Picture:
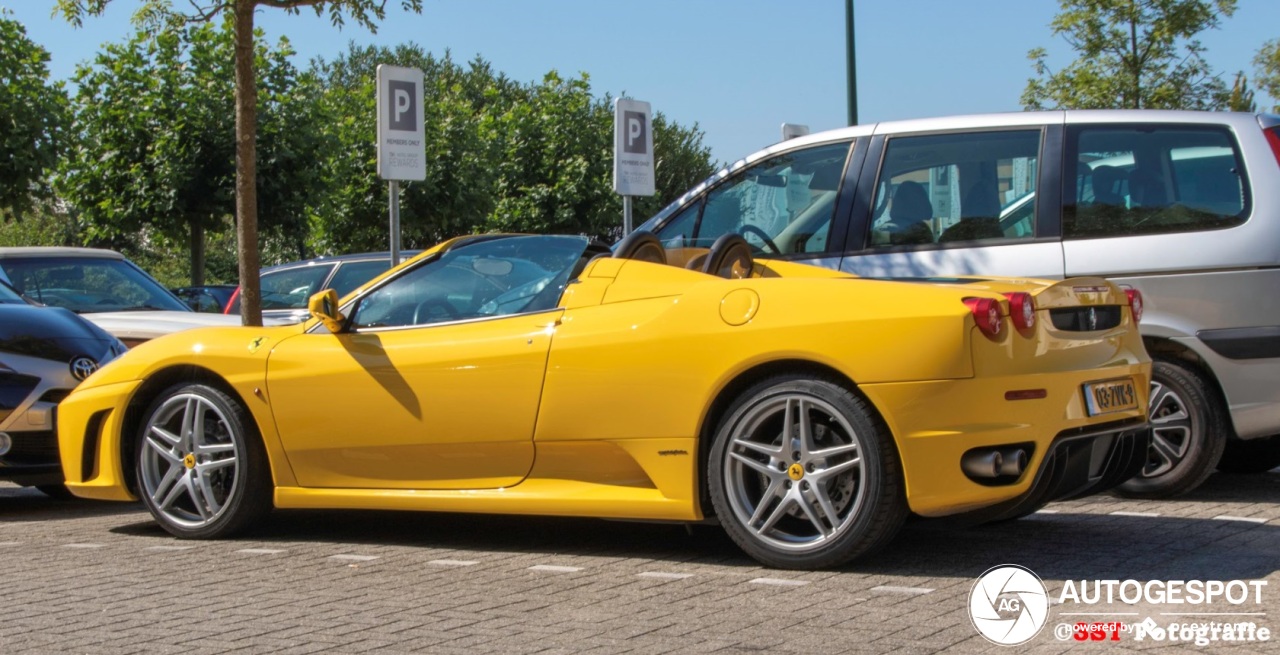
(764, 236)
(422, 313)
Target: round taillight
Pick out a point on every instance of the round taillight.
(1022, 309)
(1135, 304)
(986, 314)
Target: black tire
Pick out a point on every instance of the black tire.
(1189, 431)
(221, 483)
(56, 491)
(1250, 456)
(830, 510)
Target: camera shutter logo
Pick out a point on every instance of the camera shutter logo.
(1008, 605)
(82, 367)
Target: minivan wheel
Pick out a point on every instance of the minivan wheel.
(802, 474)
(1188, 433)
(1251, 456)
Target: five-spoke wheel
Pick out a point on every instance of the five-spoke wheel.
(801, 474)
(199, 472)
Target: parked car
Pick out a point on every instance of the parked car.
(286, 287)
(212, 298)
(44, 353)
(1183, 206)
(808, 409)
(105, 288)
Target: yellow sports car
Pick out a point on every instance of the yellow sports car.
(808, 410)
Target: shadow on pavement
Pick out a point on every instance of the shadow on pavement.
(27, 504)
(1063, 545)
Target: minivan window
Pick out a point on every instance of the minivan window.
(957, 187)
(781, 206)
(1154, 180)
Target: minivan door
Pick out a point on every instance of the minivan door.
(978, 202)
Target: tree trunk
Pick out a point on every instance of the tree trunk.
(246, 166)
(197, 254)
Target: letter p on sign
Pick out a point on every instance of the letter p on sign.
(636, 125)
(403, 114)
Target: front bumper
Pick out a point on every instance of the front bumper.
(32, 459)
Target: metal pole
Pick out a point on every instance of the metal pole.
(853, 68)
(626, 215)
(394, 186)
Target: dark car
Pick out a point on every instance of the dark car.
(44, 353)
(211, 298)
(286, 287)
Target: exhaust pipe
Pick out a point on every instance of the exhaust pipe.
(982, 463)
(1014, 461)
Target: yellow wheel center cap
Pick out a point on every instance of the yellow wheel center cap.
(190, 461)
(796, 471)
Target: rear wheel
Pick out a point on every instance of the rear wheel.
(803, 475)
(202, 472)
(1252, 456)
(1188, 433)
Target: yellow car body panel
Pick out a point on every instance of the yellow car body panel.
(602, 406)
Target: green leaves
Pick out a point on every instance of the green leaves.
(33, 113)
(1134, 54)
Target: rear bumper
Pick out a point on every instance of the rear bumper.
(1079, 463)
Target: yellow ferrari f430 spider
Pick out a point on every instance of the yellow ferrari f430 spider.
(807, 410)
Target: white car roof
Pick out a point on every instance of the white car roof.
(56, 251)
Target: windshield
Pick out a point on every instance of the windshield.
(89, 285)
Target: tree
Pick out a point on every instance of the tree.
(32, 113)
(1267, 64)
(153, 147)
(1133, 54)
(456, 195)
(160, 12)
(1241, 96)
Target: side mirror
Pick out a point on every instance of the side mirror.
(324, 306)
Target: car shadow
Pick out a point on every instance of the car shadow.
(27, 504)
(1066, 544)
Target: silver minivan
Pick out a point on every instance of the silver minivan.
(1181, 206)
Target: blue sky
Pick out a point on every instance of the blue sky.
(737, 68)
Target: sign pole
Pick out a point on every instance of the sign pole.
(633, 161)
(394, 188)
(401, 138)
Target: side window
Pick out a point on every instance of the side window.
(957, 187)
(1152, 180)
(353, 274)
(290, 288)
(782, 206)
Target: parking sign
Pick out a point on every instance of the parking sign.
(401, 138)
(633, 148)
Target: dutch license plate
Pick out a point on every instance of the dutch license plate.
(1110, 396)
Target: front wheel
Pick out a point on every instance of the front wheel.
(201, 469)
(802, 474)
(1188, 433)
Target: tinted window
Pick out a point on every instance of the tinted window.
(783, 205)
(353, 274)
(290, 288)
(1152, 180)
(497, 277)
(87, 285)
(957, 187)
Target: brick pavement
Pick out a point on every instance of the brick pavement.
(85, 577)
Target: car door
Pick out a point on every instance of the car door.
(977, 201)
(435, 385)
